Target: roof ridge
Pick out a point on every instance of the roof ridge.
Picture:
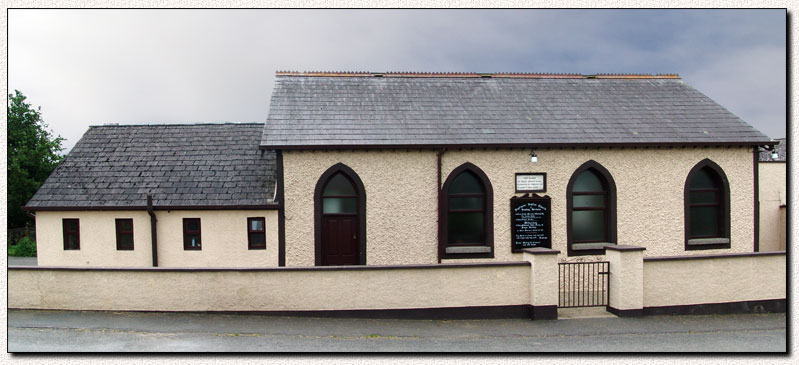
(522, 75)
(173, 124)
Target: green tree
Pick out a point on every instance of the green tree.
(33, 153)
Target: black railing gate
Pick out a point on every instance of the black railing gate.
(583, 284)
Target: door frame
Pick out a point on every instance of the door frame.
(361, 210)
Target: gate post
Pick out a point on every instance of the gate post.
(543, 281)
(626, 290)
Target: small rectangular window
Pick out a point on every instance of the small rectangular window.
(256, 233)
(191, 234)
(71, 234)
(124, 234)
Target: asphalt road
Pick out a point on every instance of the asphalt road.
(36, 331)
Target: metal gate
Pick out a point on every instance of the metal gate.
(583, 284)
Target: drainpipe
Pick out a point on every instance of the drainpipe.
(438, 193)
(152, 229)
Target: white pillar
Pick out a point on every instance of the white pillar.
(626, 280)
(543, 282)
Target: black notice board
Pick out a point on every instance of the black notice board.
(530, 222)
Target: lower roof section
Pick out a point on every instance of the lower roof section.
(183, 166)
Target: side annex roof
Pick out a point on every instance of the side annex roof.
(187, 166)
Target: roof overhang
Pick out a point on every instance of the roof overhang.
(273, 206)
(519, 145)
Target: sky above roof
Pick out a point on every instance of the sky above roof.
(91, 67)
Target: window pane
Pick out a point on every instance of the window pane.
(72, 226)
(339, 185)
(589, 225)
(589, 201)
(465, 228)
(193, 224)
(466, 183)
(193, 241)
(705, 222)
(257, 240)
(466, 203)
(126, 240)
(705, 178)
(256, 225)
(72, 241)
(703, 197)
(339, 205)
(588, 181)
(125, 224)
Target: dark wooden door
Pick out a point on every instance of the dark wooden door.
(340, 240)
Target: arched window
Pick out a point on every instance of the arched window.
(707, 207)
(340, 218)
(467, 214)
(339, 196)
(591, 210)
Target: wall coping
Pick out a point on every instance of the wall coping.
(718, 256)
(540, 251)
(264, 269)
(624, 248)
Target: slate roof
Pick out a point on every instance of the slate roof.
(180, 165)
(324, 110)
(782, 152)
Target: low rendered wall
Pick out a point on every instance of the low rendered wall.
(696, 280)
(276, 289)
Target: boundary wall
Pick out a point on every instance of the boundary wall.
(730, 283)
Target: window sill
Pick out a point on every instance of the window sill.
(699, 242)
(467, 249)
(590, 246)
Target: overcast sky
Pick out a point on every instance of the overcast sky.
(90, 67)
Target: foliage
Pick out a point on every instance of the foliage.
(32, 156)
(26, 247)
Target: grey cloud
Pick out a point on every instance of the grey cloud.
(137, 66)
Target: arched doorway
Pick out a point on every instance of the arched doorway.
(340, 218)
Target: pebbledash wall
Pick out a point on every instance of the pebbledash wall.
(401, 197)
(223, 234)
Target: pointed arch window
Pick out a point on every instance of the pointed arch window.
(339, 196)
(467, 229)
(707, 209)
(591, 210)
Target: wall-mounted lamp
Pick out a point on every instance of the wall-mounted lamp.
(773, 149)
(533, 157)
